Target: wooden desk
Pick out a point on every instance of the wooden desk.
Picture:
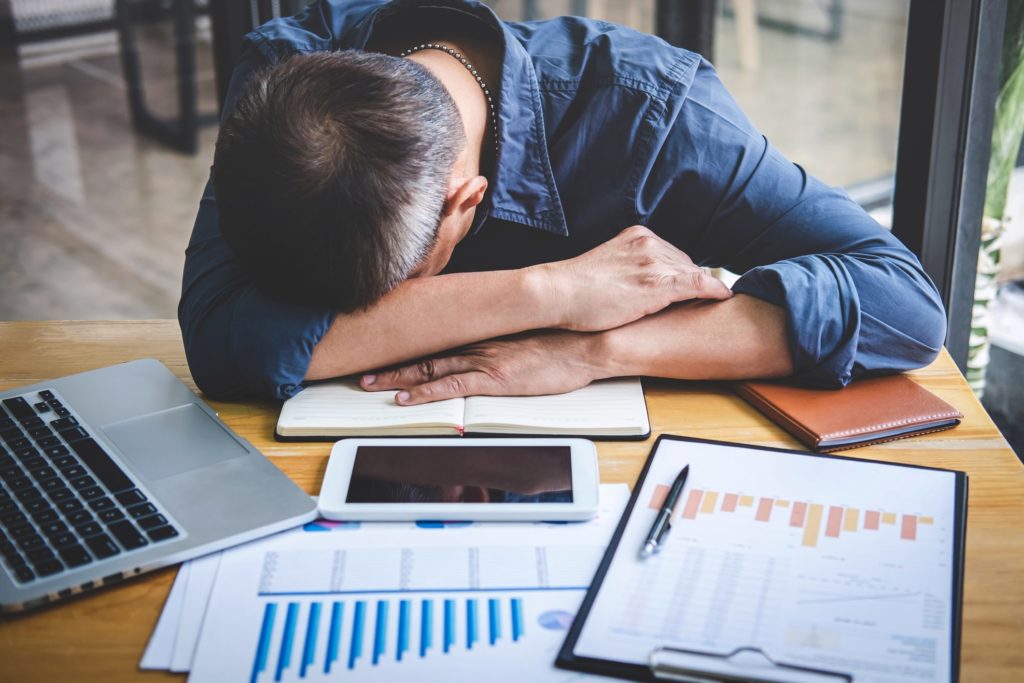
(101, 637)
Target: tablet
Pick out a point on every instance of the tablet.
(461, 479)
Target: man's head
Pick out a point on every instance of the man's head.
(337, 177)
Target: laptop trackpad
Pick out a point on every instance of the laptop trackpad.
(173, 441)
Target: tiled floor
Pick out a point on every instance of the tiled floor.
(93, 219)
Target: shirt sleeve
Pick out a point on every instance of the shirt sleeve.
(238, 340)
(857, 301)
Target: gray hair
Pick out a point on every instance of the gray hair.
(331, 171)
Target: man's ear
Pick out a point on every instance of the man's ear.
(464, 194)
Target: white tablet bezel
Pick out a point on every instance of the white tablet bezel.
(335, 484)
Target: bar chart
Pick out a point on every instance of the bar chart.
(817, 520)
(317, 639)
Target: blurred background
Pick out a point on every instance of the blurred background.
(109, 118)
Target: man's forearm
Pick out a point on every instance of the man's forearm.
(742, 337)
(428, 315)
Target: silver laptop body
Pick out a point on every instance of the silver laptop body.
(119, 471)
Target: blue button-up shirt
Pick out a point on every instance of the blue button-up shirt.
(600, 127)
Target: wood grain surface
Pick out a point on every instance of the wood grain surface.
(100, 637)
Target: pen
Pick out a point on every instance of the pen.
(656, 536)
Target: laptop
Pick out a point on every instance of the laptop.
(119, 471)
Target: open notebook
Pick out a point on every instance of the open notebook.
(609, 409)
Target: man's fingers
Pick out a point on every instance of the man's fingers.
(426, 370)
(450, 386)
(699, 284)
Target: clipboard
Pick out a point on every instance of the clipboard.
(747, 662)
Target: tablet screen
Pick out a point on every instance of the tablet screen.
(461, 474)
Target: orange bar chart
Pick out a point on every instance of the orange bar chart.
(815, 519)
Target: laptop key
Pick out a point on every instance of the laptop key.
(102, 546)
(101, 504)
(105, 469)
(53, 528)
(64, 423)
(132, 497)
(74, 471)
(47, 395)
(83, 482)
(19, 482)
(80, 517)
(19, 444)
(64, 539)
(34, 506)
(60, 495)
(111, 515)
(75, 556)
(49, 567)
(43, 473)
(69, 506)
(141, 510)
(40, 432)
(42, 407)
(7, 506)
(24, 574)
(55, 452)
(47, 514)
(12, 473)
(48, 442)
(34, 463)
(13, 519)
(61, 411)
(91, 492)
(30, 542)
(162, 533)
(127, 535)
(74, 434)
(14, 559)
(23, 530)
(39, 555)
(19, 407)
(89, 529)
(29, 494)
(151, 522)
(31, 422)
(53, 484)
(25, 452)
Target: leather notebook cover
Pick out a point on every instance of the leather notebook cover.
(867, 411)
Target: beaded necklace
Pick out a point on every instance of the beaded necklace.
(472, 69)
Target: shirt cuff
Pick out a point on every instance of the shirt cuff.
(822, 314)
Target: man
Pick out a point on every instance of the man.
(504, 208)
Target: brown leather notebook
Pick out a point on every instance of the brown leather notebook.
(867, 411)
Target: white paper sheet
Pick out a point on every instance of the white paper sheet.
(160, 649)
(820, 562)
(197, 596)
(402, 601)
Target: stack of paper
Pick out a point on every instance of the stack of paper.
(385, 601)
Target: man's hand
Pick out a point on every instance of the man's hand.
(631, 276)
(541, 363)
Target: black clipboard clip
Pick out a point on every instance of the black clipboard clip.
(742, 665)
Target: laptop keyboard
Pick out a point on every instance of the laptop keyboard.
(64, 503)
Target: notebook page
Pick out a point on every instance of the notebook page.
(607, 407)
(341, 407)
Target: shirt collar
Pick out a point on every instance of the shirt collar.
(523, 188)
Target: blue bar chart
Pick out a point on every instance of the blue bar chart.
(311, 639)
